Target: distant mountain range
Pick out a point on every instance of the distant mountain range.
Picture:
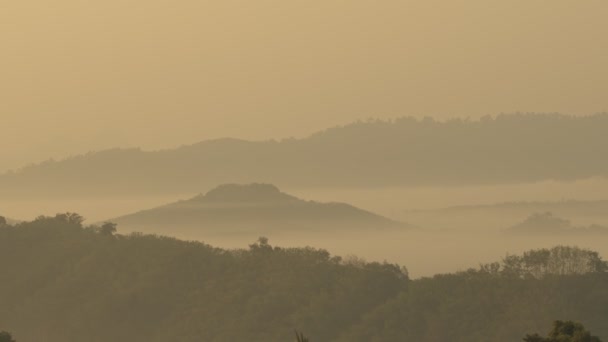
(548, 224)
(501, 215)
(569, 208)
(505, 149)
(251, 209)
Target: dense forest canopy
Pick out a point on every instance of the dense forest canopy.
(564, 331)
(5, 336)
(406, 151)
(64, 281)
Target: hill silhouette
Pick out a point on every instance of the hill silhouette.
(547, 223)
(243, 193)
(500, 215)
(115, 287)
(251, 208)
(593, 208)
(406, 151)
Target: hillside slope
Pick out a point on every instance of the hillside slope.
(505, 149)
(251, 209)
(65, 282)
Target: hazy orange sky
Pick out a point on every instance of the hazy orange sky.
(78, 75)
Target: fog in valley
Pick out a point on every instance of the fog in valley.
(451, 228)
(319, 171)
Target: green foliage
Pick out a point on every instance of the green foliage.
(149, 288)
(70, 218)
(6, 337)
(486, 305)
(108, 229)
(565, 331)
(560, 260)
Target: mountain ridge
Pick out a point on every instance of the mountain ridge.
(501, 150)
(549, 224)
(255, 208)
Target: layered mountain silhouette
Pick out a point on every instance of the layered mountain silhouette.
(493, 217)
(548, 224)
(578, 208)
(251, 209)
(406, 151)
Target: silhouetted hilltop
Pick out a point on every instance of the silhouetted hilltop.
(547, 223)
(406, 151)
(251, 209)
(256, 192)
(500, 215)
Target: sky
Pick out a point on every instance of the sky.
(78, 75)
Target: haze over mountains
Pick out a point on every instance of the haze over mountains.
(406, 151)
(576, 208)
(382, 166)
(234, 209)
(227, 171)
(502, 216)
(547, 224)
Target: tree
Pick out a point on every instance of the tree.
(70, 218)
(564, 331)
(560, 260)
(108, 228)
(3, 221)
(6, 337)
(261, 245)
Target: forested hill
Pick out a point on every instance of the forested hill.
(508, 148)
(252, 209)
(65, 282)
(7, 220)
